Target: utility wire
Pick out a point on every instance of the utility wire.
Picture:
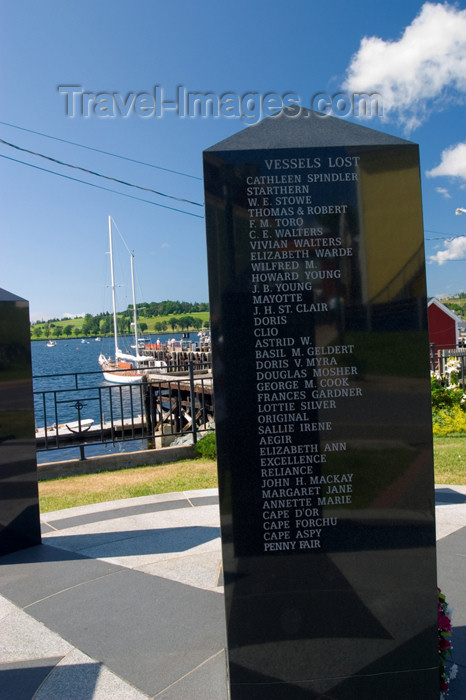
(106, 177)
(107, 189)
(428, 230)
(447, 238)
(442, 235)
(100, 187)
(99, 150)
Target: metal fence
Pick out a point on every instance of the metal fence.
(79, 409)
(444, 355)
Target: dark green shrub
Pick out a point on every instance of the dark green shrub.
(206, 447)
(448, 408)
(443, 397)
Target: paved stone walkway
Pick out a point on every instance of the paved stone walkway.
(125, 600)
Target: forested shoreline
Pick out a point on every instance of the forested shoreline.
(153, 317)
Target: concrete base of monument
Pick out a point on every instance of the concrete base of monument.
(124, 600)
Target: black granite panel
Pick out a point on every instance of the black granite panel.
(19, 511)
(323, 419)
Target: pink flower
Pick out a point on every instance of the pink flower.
(444, 622)
(443, 643)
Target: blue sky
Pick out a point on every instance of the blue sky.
(54, 229)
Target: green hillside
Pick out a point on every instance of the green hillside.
(184, 317)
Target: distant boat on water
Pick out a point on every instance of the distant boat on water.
(51, 343)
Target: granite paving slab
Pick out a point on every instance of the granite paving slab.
(23, 637)
(206, 682)
(37, 663)
(146, 629)
(180, 544)
(150, 542)
(78, 677)
(95, 630)
(20, 679)
(452, 581)
(77, 520)
(42, 571)
(189, 498)
(202, 570)
(448, 493)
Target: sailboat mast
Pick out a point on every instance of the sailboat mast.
(135, 315)
(112, 277)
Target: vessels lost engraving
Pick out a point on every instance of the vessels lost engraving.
(294, 377)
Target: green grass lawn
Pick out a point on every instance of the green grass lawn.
(187, 475)
(450, 459)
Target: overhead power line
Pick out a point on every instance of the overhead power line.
(92, 172)
(123, 194)
(446, 238)
(99, 150)
(100, 187)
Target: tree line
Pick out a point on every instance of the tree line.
(458, 308)
(102, 324)
(166, 308)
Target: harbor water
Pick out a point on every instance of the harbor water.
(53, 370)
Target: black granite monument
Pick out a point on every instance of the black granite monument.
(19, 502)
(323, 417)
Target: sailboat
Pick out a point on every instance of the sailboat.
(126, 368)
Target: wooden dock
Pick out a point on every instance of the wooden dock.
(173, 403)
(97, 432)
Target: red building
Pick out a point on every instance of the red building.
(443, 326)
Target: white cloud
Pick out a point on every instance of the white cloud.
(416, 74)
(455, 249)
(452, 164)
(443, 191)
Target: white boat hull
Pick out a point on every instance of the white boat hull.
(125, 377)
(112, 373)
